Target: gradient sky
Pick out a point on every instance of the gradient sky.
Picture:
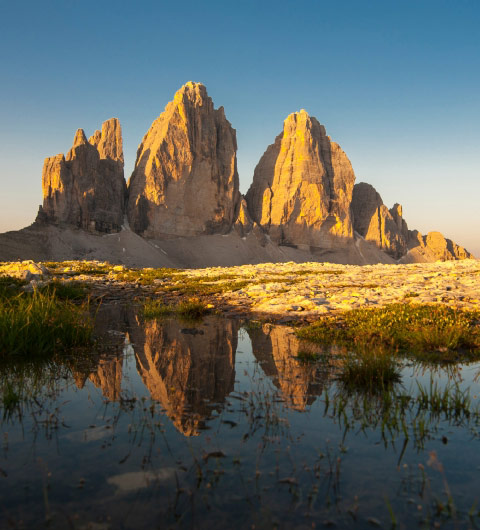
(396, 84)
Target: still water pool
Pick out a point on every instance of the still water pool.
(215, 425)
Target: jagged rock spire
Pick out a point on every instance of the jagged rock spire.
(86, 189)
(185, 180)
(302, 186)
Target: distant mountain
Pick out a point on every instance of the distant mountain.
(182, 205)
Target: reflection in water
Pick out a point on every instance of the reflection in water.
(108, 377)
(75, 461)
(187, 369)
(105, 371)
(277, 349)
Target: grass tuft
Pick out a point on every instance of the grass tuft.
(192, 309)
(65, 290)
(373, 370)
(439, 332)
(157, 309)
(40, 323)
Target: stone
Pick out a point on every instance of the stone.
(243, 223)
(434, 247)
(27, 270)
(185, 181)
(86, 188)
(375, 222)
(302, 187)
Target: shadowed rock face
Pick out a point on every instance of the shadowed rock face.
(185, 181)
(375, 222)
(86, 188)
(188, 370)
(277, 349)
(302, 187)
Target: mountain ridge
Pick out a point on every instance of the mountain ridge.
(303, 203)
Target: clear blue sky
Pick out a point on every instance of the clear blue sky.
(396, 83)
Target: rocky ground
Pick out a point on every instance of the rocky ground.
(281, 291)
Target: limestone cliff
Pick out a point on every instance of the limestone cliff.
(375, 222)
(185, 181)
(389, 231)
(302, 187)
(433, 247)
(86, 188)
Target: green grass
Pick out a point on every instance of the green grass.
(307, 357)
(189, 309)
(145, 276)
(10, 286)
(76, 268)
(157, 309)
(192, 309)
(37, 324)
(373, 370)
(438, 332)
(65, 290)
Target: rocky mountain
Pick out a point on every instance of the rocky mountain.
(302, 187)
(184, 207)
(375, 222)
(185, 181)
(432, 247)
(86, 188)
(389, 231)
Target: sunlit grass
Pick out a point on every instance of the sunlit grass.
(190, 309)
(416, 328)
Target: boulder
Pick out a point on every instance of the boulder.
(302, 187)
(86, 188)
(185, 181)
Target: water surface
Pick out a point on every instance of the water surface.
(178, 424)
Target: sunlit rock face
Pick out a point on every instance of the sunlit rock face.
(187, 369)
(185, 181)
(277, 348)
(86, 188)
(389, 231)
(375, 222)
(433, 247)
(302, 187)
